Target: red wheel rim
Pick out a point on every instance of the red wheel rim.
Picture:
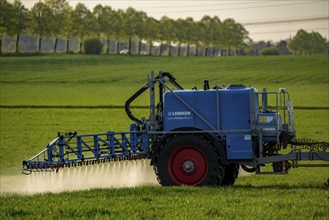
(187, 165)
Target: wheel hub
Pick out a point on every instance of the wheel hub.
(188, 166)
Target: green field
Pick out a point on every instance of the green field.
(45, 94)
(268, 200)
(109, 80)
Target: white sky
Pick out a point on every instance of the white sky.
(314, 13)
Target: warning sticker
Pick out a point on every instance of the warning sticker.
(247, 137)
(265, 119)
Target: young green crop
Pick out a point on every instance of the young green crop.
(296, 196)
(110, 80)
(126, 70)
(103, 83)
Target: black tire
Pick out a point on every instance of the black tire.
(277, 167)
(248, 169)
(188, 159)
(231, 173)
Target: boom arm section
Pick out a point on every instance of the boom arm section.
(70, 149)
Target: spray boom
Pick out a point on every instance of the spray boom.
(71, 149)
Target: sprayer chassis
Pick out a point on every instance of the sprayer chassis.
(148, 137)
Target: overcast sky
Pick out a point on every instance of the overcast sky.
(265, 20)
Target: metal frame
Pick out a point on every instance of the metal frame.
(74, 150)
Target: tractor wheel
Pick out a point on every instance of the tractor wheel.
(189, 160)
(231, 173)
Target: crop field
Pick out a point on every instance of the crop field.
(42, 95)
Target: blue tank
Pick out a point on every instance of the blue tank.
(227, 111)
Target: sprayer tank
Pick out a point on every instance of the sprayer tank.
(226, 110)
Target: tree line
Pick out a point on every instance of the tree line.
(57, 19)
(304, 43)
